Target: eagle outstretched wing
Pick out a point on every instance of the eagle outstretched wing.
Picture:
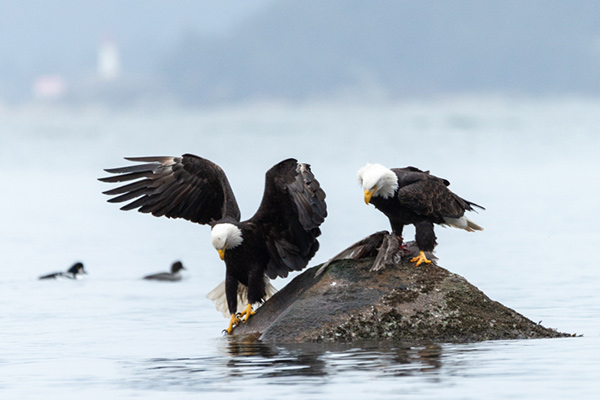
(428, 195)
(188, 187)
(291, 211)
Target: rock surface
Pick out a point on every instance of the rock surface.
(350, 302)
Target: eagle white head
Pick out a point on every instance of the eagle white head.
(377, 180)
(225, 236)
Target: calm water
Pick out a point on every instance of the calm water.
(532, 163)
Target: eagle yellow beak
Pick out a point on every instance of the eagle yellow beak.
(368, 195)
(222, 253)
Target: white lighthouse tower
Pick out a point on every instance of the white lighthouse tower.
(109, 63)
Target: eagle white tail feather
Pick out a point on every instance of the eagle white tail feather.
(472, 226)
(463, 223)
(218, 296)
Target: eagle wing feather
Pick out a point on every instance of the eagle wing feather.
(188, 187)
(291, 211)
(428, 195)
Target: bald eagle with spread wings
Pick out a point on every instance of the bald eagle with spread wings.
(281, 236)
(411, 196)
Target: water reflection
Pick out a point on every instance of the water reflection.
(250, 357)
(246, 359)
(318, 359)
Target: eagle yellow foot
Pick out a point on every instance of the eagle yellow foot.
(233, 322)
(244, 315)
(420, 259)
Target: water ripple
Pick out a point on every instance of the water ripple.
(242, 361)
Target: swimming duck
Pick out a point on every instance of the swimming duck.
(74, 272)
(174, 275)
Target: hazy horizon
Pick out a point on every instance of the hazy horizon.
(214, 52)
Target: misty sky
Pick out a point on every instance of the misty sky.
(207, 52)
(64, 34)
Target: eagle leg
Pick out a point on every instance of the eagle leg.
(233, 322)
(420, 259)
(244, 315)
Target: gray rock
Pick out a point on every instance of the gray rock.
(349, 301)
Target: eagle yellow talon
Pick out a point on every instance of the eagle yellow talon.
(420, 259)
(244, 315)
(233, 322)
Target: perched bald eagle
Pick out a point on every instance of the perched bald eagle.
(279, 238)
(411, 196)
